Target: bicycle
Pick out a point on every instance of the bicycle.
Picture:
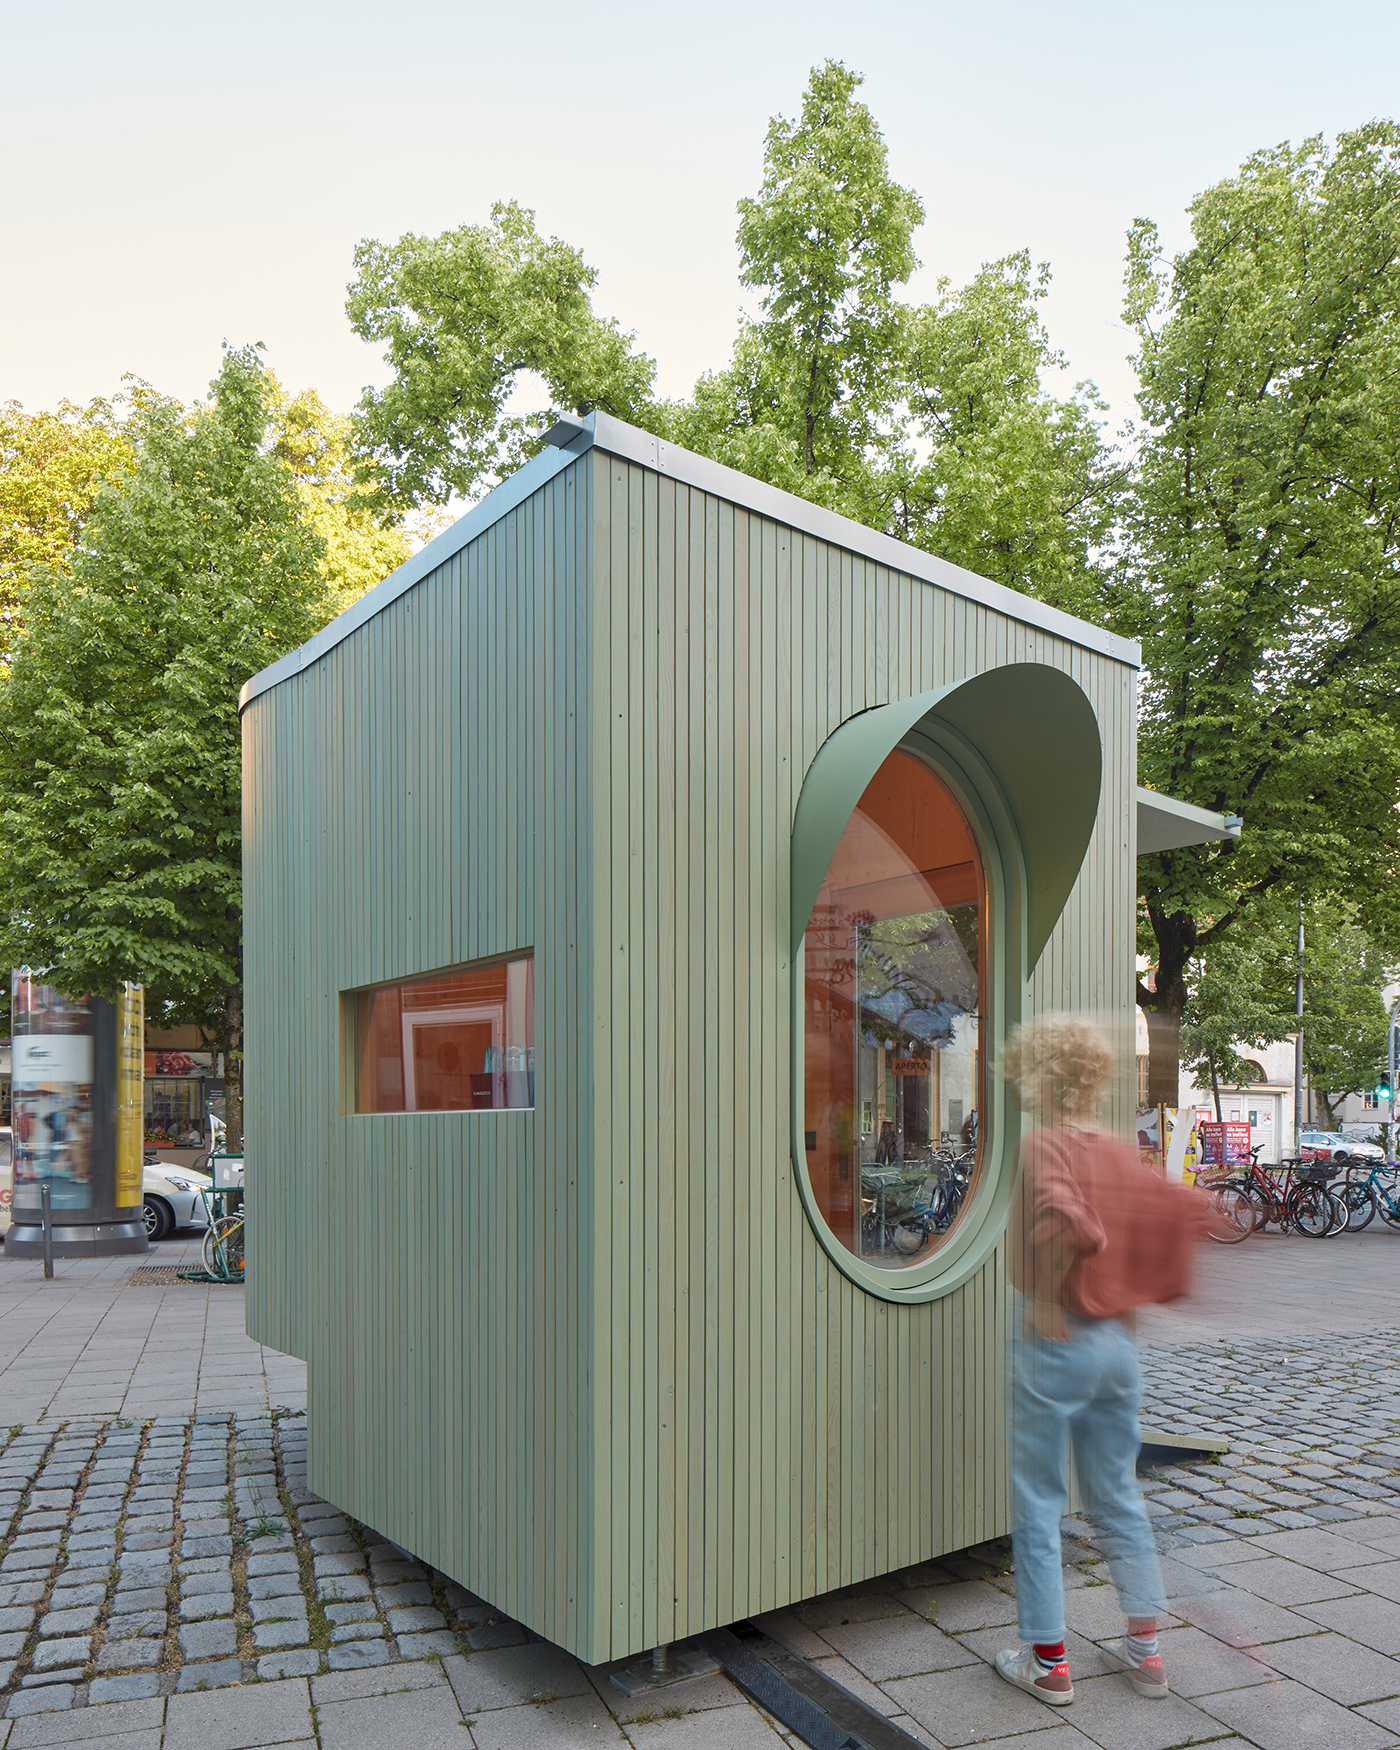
(1368, 1190)
(1293, 1194)
(222, 1250)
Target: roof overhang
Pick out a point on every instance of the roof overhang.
(1165, 824)
(571, 437)
(1036, 730)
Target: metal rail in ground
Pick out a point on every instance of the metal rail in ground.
(820, 1711)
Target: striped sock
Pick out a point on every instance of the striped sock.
(1052, 1653)
(1140, 1647)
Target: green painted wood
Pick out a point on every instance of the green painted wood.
(592, 1360)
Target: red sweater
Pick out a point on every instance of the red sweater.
(1094, 1230)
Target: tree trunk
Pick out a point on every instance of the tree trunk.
(1164, 1005)
(233, 1069)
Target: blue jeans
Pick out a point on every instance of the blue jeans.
(1086, 1391)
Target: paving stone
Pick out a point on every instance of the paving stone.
(215, 1674)
(69, 1622)
(54, 1655)
(355, 1655)
(362, 1631)
(207, 1640)
(409, 1592)
(227, 1719)
(21, 1592)
(295, 1662)
(274, 1562)
(274, 1586)
(207, 1546)
(434, 1643)
(278, 1609)
(414, 1619)
(268, 1636)
(203, 1565)
(204, 1604)
(136, 1686)
(495, 1634)
(118, 1655)
(20, 1617)
(1286, 1716)
(12, 1644)
(53, 1698)
(135, 1624)
(361, 1611)
(193, 1584)
(342, 1587)
(325, 1567)
(139, 1598)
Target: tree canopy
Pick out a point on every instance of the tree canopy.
(1262, 546)
(119, 743)
(52, 465)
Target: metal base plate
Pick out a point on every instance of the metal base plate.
(686, 1664)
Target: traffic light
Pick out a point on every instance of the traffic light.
(1383, 1091)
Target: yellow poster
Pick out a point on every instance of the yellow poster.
(131, 1069)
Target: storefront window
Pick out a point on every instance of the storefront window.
(460, 1041)
(894, 1059)
(175, 1111)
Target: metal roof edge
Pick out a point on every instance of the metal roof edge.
(499, 502)
(615, 437)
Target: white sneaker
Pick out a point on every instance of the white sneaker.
(1021, 1667)
(1147, 1676)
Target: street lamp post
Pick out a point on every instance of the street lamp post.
(1298, 1047)
(1390, 1078)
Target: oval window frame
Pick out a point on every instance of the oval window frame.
(982, 1222)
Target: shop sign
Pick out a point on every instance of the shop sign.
(913, 1066)
(179, 1063)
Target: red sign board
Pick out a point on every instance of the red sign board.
(1224, 1145)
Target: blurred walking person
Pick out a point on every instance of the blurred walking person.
(1094, 1234)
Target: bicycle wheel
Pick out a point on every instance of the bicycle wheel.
(1232, 1214)
(1360, 1201)
(909, 1238)
(222, 1251)
(1309, 1209)
(1339, 1212)
(1388, 1203)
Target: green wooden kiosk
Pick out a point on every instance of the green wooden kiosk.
(637, 883)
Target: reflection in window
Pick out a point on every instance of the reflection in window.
(459, 1041)
(894, 1061)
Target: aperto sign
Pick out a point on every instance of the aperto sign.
(912, 1066)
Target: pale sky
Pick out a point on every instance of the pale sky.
(177, 174)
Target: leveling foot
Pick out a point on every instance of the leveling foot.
(663, 1668)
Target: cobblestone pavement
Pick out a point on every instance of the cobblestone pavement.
(170, 1583)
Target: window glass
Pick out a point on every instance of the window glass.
(460, 1041)
(894, 1060)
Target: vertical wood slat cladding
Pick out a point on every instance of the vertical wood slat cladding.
(591, 1359)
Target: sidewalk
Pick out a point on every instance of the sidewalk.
(166, 1580)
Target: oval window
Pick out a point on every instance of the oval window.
(894, 991)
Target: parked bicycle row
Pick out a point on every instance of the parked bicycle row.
(1310, 1197)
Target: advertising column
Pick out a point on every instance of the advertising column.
(70, 1095)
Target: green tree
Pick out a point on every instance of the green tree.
(120, 781)
(462, 317)
(1243, 995)
(1262, 545)
(928, 422)
(51, 467)
(362, 546)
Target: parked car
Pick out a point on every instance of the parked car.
(1331, 1145)
(171, 1199)
(169, 1194)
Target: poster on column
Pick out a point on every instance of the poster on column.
(131, 1095)
(51, 1094)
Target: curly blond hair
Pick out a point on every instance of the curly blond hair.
(1057, 1066)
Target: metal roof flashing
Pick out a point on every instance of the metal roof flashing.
(571, 436)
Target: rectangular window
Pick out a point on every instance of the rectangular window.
(461, 1041)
